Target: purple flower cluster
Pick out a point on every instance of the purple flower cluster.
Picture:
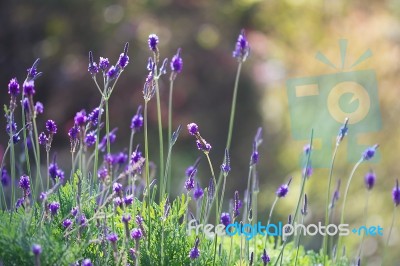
(242, 48)
(225, 218)
(283, 189)
(137, 120)
(194, 253)
(54, 207)
(396, 194)
(370, 179)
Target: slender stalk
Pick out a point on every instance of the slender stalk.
(48, 174)
(248, 191)
(12, 160)
(298, 242)
(269, 220)
(171, 88)
(326, 237)
(37, 152)
(365, 223)
(146, 151)
(345, 197)
(108, 128)
(390, 233)
(160, 134)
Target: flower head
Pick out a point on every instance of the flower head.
(80, 118)
(283, 190)
(189, 184)
(13, 87)
(67, 223)
(369, 152)
(51, 127)
(123, 60)
(117, 187)
(92, 68)
(342, 131)
(153, 41)
(237, 205)
(370, 179)
(29, 88)
(198, 192)
(24, 182)
(193, 129)
(5, 177)
(225, 218)
(32, 72)
(396, 194)
(90, 139)
(54, 207)
(203, 145)
(265, 258)
(73, 132)
(194, 253)
(226, 165)
(104, 64)
(137, 120)
(242, 48)
(128, 199)
(39, 108)
(136, 233)
(112, 73)
(36, 249)
(112, 237)
(177, 62)
(94, 116)
(87, 262)
(43, 139)
(126, 218)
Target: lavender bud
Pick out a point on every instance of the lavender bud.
(5, 177)
(92, 68)
(73, 133)
(39, 108)
(123, 60)
(136, 233)
(113, 238)
(103, 64)
(193, 129)
(87, 262)
(177, 62)
(36, 249)
(226, 166)
(13, 87)
(265, 258)
(370, 179)
(112, 73)
(66, 223)
(126, 218)
(198, 192)
(251, 259)
(304, 210)
(153, 41)
(342, 131)
(195, 251)
(189, 184)
(90, 139)
(54, 207)
(237, 205)
(225, 219)
(29, 88)
(94, 116)
(80, 118)
(32, 72)
(369, 152)
(128, 199)
(24, 182)
(43, 139)
(283, 190)
(51, 127)
(396, 194)
(203, 146)
(137, 120)
(242, 48)
(117, 187)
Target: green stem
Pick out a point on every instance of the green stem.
(326, 237)
(390, 233)
(12, 160)
(171, 88)
(269, 220)
(160, 134)
(38, 173)
(146, 150)
(345, 197)
(365, 223)
(48, 174)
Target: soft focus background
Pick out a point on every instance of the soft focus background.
(284, 37)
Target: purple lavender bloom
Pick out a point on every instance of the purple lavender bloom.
(73, 132)
(53, 170)
(94, 115)
(283, 189)
(103, 63)
(128, 199)
(136, 156)
(16, 138)
(242, 48)
(189, 184)
(13, 87)
(203, 146)
(153, 41)
(189, 171)
(121, 158)
(12, 129)
(177, 62)
(90, 139)
(193, 129)
(307, 172)
(396, 194)
(117, 201)
(43, 196)
(5, 177)
(112, 73)
(237, 205)
(92, 68)
(194, 253)
(226, 166)
(80, 118)
(36, 249)
(198, 192)
(54, 207)
(51, 127)
(369, 152)
(126, 218)
(254, 157)
(103, 173)
(24, 182)
(139, 220)
(19, 202)
(112, 136)
(132, 253)
(83, 220)
(25, 104)
(304, 209)
(39, 108)
(117, 187)
(265, 258)
(370, 179)
(109, 159)
(67, 223)
(32, 72)
(137, 120)
(29, 88)
(112, 237)
(74, 211)
(342, 132)
(136, 233)
(225, 219)
(306, 149)
(123, 60)
(43, 139)
(87, 262)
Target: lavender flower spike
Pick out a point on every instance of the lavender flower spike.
(13, 87)
(265, 258)
(236, 206)
(24, 182)
(193, 129)
(242, 48)
(92, 68)
(226, 165)
(370, 179)
(396, 194)
(342, 132)
(153, 41)
(123, 60)
(176, 63)
(369, 152)
(36, 249)
(283, 189)
(195, 251)
(225, 219)
(51, 127)
(137, 120)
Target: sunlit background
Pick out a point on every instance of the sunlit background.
(284, 37)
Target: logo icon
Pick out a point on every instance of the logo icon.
(324, 102)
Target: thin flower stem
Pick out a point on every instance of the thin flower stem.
(37, 152)
(365, 223)
(390, 233)
(326, 237)
(269, 220)
(146, 150)
(96, 147)
(160, 134)
(298, 241)
(12, 158)
(171, 88)
(233, 107)
(345, 198)
(48, 172)
(248, 191)
(108, 128)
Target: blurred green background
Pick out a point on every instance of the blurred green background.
(284, 37)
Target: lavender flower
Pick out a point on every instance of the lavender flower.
(237, 205)
(29, 88)
(136, 233)
(123, 60)
(226, 166)
(307, 172)
(43, 196)
(87, 262)
(13, 87)
(283, 189)
(24, 182)
(126, 218)
(36, 249)
(194, 253)
(80, 118)
(304, 210)
(55, 171)
(242, 48)
(211, 190)
(307, 149)
(117, 187)
(112, 73)
(103, 64)
(342, 131)
(74, 211)
(128, 199)
(396, 194)
(113, 238)
(121, 158)
(32, 72)
(370, 179)
(117, 201)
(90, 139)
(103, 173)
(256, 143)
(82, 220)
(112, 136)
(198, 192)
(54, 207)
(92, 68)
(67, 223)
(189, 184)
(193, 129)
(51, 127)
(203, 146)
(19, 202)
(153, 41)
(369, 152)
(132, 253)
(5, 177)
(225, 218)
(94, 115)
(43, 139)
(137, 120)
(265, 258)
(177, 62)
(39, 108)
